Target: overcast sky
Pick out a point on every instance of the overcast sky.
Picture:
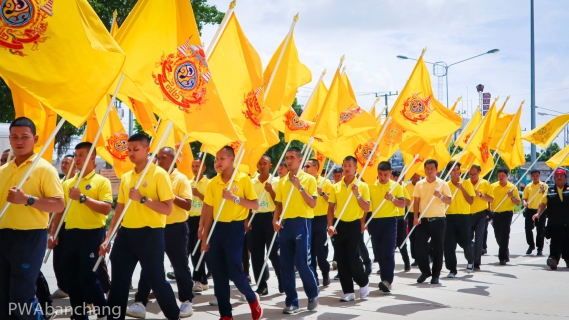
(372, 33)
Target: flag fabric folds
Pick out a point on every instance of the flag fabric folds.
(555, 161)
(544, 134)
(512, 150)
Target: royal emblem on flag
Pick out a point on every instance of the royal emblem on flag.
(419, 160)
(543, 134)
(22, 22)
(417, 109)
(364, 152)
(117, 145)
(293, 122)
(393, 134)
(484, 151)
(349, 114)
(467, 137)
(235, 146)
(183, 76)
(254, 109)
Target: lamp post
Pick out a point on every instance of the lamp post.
(443, 66)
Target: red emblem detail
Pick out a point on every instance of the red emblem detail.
(419, 160)
(394, 134)
(293, 122)
(349, 114)
(117, 145)
(364, 152)
(484, 151)
(417, 109)
(254, 109)
(467, 137)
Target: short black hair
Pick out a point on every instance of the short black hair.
(266, 156)
(452, 163)
(169, 150)
(384, 166)
(24, 122)
(229, 150)
(431, 161)
(477, 167)
(534, 171)
(68, 156)
(140, 137)
(351, 158)
(295, 149)
(7, 150)
(395, 173)
(86, 145)
(504, 170)
(315, 162)
(283, 164)
(338, 170)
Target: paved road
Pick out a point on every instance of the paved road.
(524, 289)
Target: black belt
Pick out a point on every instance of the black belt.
(399, 217)
(433, 219)
(504, 212)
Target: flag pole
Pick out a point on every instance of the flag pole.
(304, 158)
(500, 142)
(285, 44)
(362, 173)
(196, 183)
(64, 179)
(138, 183)
(178, 152)
(240, 154)
(221, 28)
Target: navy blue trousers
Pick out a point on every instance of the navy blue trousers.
(58, 264)
(458, 231)
(259, 239)
(319, 246)
(176, 244)
(198, 275)
(21, 255)
(384, 236)
(144, 245)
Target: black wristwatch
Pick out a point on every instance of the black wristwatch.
(143, 200)
(82, 198)
(31, 201)
(323, 193)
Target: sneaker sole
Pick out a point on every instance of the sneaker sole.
(135, 315)
(186, 315)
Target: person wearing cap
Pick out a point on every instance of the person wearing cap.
(533, 193)
(556, 200)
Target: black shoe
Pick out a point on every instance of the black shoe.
(530, 250)
(539, 252)
(476, 267)
(552, 263)
(414, 264)
(407, 267)
(326, 281)
(378, 271)
(262, 291)
(435, 281)
(502, 262)
(367, 268)
(422, 278)
(484, 251)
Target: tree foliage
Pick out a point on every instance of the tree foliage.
(546, 154)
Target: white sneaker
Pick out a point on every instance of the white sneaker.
(348, 297)
(59, 294)
(136, 310)
(197, 287)
(364, 291)
(186, 309)
(451, 275)
(469, 268)
(213, 302)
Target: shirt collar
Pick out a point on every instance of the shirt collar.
(238, 176)
(28, 160)
(300, 174)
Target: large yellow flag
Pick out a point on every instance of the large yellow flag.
(114, 24)
(284, 75)
(479, 145)
(512, 150)
(166, 63)
(60, 52)
(417, 110)
(174, 141)
(503, 126)
(466, 134)
(556, 160)
(354, 119)
(545, 134)
(424, 150)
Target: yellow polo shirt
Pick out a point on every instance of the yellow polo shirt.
(340, 195)
(458, 204)
(197, 203)
(266, 204)
(182, 188)
(501, 193)
(478, 204)
(401, 211)
(241, 187)
(425, 190)
(410, 188)
(156, 186)
(377, 193)
(321, 208)
(297, 207)
(79, 215)
(43, 182)
(530, 192)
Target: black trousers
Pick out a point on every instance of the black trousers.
(502, 222)
(384, 238)
(401, 236)
(58, 264)
(364, 252)
(199, 275)
(478, 224)
(559, 246)
(319, 246)
(350, 267)
(435, 230)
(43, 294)
(412, 243)
(539, 225)
(457, 231)
(259, 239)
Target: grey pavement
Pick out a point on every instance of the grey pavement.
(524, 289)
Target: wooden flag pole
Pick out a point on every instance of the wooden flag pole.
(196, 184)
(222, 26)
(71, 169)
(178, 152)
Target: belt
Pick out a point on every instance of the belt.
(433, 219)
(399, 217)
(504, 212)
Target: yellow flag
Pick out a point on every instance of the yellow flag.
(415, 145)
(466, 134)
(354, 119)
(170, 140)
(143, 114)
(503, 121)
(283, 76)
(479, 145)
(60, 52)
(545, 134)
(555, 161)
(512, 150)
(114, 24)
(166, 64)
(417, 110)
(112, 145)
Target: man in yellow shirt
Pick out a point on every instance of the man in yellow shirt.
(557, 203)
(4, 157)
(85, 230)
(432, 224)
(226, 242)
(479, 211)
(23, 226)
(349, 229)
(319, 247)
(383, 226)
(198, 193)
(532, 195)
(175, 242)
(282, 170)
(458, 227)
(402, 224)
(410, 187)
(505, 198)
(295, 231)
(141, 236)
(261, 232)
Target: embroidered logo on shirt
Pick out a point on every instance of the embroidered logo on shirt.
(145, 184)
(235, 188)
(92, 255)
(88, 187)
(25, 265)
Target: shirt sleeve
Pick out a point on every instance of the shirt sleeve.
(209, 196)
(401, 192)
(164, 186)
(122, 196)
(544, 198)
(469, 189)
(184, 188)
(516, 192)
(249, 190)
(445, 190)
(416, 193)
(311, 187)
(526, 193)
(104, 193)
(327, 188)
(65, 187)
(365, 192)
(51, 185)
(332, 198)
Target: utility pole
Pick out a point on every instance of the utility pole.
(386, 95)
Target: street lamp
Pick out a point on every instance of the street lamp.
(442, 66)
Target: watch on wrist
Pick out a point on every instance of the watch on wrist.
(237, 200)
(301, 189)
(393, 199)
(323, 193)
(359, 197)
(442, 197)
(143, 200)
(82, 198)
(31, 201)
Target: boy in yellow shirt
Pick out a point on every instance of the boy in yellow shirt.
(402, 223)
(479, 211)
(534, 192)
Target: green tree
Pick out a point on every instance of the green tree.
(546, 154)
